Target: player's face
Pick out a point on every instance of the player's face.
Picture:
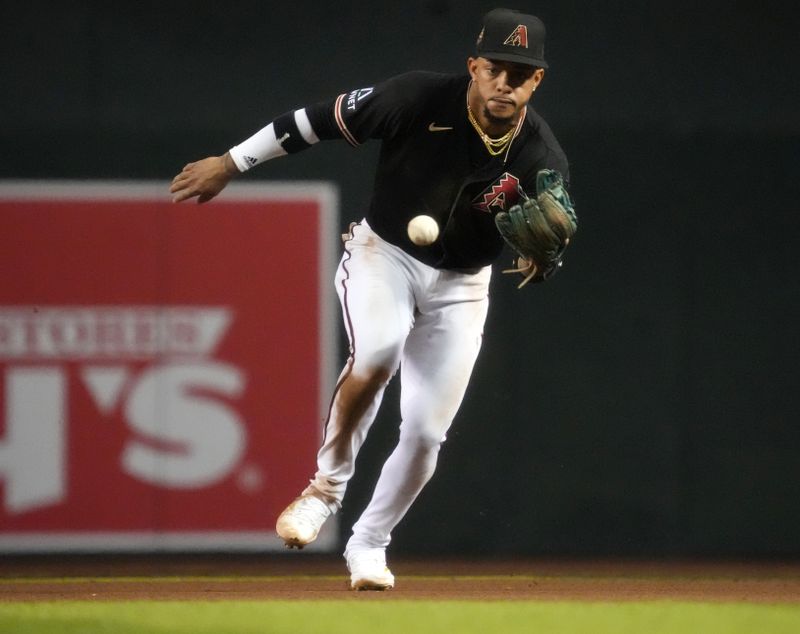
(504, 87)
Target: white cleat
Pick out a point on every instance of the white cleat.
(300, 522)
(368, 570)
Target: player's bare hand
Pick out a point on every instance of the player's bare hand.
(204, 179)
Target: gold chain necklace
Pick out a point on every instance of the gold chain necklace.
(493, 146)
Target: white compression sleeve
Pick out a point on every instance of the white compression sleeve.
(296, 134)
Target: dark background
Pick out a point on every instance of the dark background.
(644, 402)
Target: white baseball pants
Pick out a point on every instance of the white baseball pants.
(398, 312)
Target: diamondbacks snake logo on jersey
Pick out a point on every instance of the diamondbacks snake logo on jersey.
(501, 195)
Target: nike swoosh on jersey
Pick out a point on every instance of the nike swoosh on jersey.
(438, 128)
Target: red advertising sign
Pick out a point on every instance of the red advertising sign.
(164, 369)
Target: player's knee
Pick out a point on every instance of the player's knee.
(377, 361)
(360, 388)
(421, 439)
(375, 376)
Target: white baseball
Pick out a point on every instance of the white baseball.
(423, 230)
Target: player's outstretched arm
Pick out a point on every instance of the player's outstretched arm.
(205, 178)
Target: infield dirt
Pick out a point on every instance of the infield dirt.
(313, 577)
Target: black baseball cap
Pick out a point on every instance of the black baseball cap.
(511, 36)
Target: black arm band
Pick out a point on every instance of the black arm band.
(288, 134)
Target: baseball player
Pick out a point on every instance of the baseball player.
(465, 150)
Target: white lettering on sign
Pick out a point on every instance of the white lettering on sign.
(33, 451)
(179, 407)
(203, 440)
(97, 332)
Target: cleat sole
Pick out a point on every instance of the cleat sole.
(363, 585)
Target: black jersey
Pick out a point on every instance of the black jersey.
(433, 162)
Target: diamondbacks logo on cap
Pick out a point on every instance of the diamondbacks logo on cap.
(519, 37)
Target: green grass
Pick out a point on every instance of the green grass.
(395, 617)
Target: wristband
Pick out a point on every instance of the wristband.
(289, 133)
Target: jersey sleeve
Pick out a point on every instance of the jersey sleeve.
(376, 112)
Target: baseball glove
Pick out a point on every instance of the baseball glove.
(540, 228)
